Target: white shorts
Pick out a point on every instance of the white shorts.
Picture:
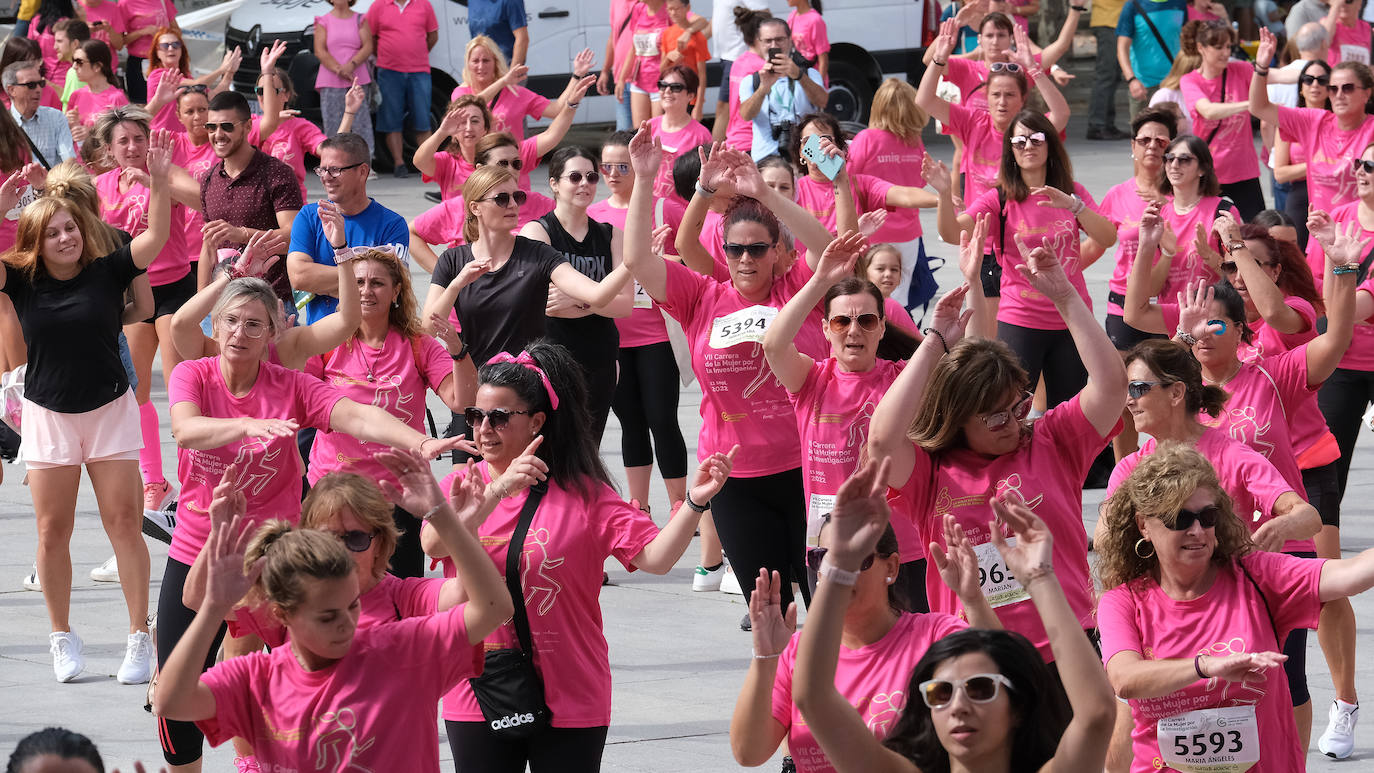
(653, 95)
(53, 439)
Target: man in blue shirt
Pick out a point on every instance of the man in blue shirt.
(778, 95)
(1147, 40)
(343, 171)
(504, 22)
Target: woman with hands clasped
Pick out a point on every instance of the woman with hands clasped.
(1193, 617)
(987, 700)
(346, 688)
(531, 424)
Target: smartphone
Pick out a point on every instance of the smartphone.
(773, 53)
(829, 165)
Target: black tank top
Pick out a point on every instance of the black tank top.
(593, 339)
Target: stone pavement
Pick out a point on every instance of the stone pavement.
(678, 657)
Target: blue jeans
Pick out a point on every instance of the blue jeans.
(127, 361)
(403, 93)
(624, 117)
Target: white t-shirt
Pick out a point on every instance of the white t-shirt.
(729, 43)
(1286, 94)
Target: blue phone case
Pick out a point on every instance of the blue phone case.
(829, 165)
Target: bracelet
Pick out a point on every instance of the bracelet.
(1187, 338)
(1133, 78)
(703, 190)
(348, 113)
(829, 571)
(431, 513)
(696, 508)
(1035, 73)
(1080, 204)
(757, 656)
(1197, 666)
(1262, 72)
(1079, 8)
(932, 331)
(1346, 269)
(939, 63)
(1041, 571)
(573, 105)
(499, 494)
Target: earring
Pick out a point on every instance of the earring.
(396, 304)
(891, 580)
(1143, 541)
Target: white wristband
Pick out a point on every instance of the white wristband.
(836, 575)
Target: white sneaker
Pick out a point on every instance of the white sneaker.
(137, 667)
(31, 580)
(730, 583)
(67, 662)
(1339, 739)
(106, 572)
(160, 523)
(704, 579)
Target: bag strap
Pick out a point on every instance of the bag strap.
(1139, 9)
(1278, 643)
(1222, 98)
(1002, 218)
(43, 162)
(1364, 266)
(514, 551)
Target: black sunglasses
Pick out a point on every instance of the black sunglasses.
(1229, 267)
(1159, 142)
(814, 556)
(198, 88)
(503, 200)
(1207, 516)
(676, 88)
(1359, 163)
(1181, 158)
(511, 163)
(1320, 80)
(357, 541)
(621, 169)
(34, 85)
(76, 61)
(499, 417)
(225, 126)
(1138, 389)
(259, 90)
(576, 177)
(756, 250)
(841, 322)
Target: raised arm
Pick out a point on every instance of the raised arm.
(1051, 54)
(272, 103)
(1343, 256)
(547, 140)
(187, 337)
(1259, 104)
(663, 551)
(779, 342)
(647, 267)
(302, 342)
(1054, 99)
(424, 154)
(949, 221)
(1268, 298)
(1138, 310)
(755, 733)
(146, 246)
(803, 225)
(939, 51)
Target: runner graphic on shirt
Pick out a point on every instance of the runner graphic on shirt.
(537, 581)
(331, 744)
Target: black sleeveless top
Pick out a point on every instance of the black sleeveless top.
(594, 340)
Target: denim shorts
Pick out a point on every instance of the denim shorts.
(403, 93)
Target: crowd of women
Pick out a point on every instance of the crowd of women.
(913, 469)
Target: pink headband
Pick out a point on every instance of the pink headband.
(524, 358)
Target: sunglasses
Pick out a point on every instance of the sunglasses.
(621, 169)
(1034, 140)
(197, 88)
(357, 541)
(676, 88)
(1346, 88)
(576, 178)
(1360, 164)
(170, 46)
(76, 61)
(1182, 159)
(225, 126)
(1018, 412)
(814, 556)
(503, 200)
(979, 688)
(756, 250)
(1320, 80)
(1207, 516)
(1004, 67)
(840, 322)
(33, 85)
(335, 171)
(511, 163)
(1138, 389)
(1158, 142)
(259, 90)
(1229, 267)
(499, 417)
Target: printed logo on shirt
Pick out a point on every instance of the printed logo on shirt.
(541, 589)
(514, 720)
(1245, 427)
(336, 747)
(256, 464)
(883, 711)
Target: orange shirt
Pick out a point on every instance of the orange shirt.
(696, 52)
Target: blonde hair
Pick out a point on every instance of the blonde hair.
(1158, 488)
(895, 111)
(108, 120)
(480, 183)
(975, 377)
(339, 490)
(244, 290)
(26, 256)
(292, 557)
(69, 180)
(1184, 63)
(491, 47)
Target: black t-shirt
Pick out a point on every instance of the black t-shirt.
(72, 328)
(594, 340)
(503, 310)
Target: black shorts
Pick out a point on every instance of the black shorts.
(1124, 337)
(172, 296)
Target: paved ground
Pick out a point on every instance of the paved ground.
(678, 658)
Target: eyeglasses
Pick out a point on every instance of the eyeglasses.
(171, 45)
(576, 178)
(1360, 164)
(499, 417)
(1035, 140)
(503, 200)
(1346, 88)
(76, 61)
(998, 420)
(1004, 67)
(1320, 80)
(1207, 516)
(357, 541)
(1229, 267)
(1158, 142)
(840, 322)
(980, 688)
(676, 88)
(1138, 389)
(32, 85)
(1182, 159)
(511, 163)
(621, 169)
(198, 88)
(225, 126)
(335, 171)
(251, 328)
(814, 556)
(756, 250)
(259, 90)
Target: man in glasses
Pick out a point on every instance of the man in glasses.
(46, 128)
(776, 96)
(343, 172)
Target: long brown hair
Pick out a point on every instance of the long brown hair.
(1058, 168)
(14, 147)
(1295, 275)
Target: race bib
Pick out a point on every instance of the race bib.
(646, 43)
(741, 327)
(642, 298)
(27, 197)
(999, 586)
(1210, 740)
(1351, 53)
(819, 505)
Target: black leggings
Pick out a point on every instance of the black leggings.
(762, 524)
(565, 749)
(1295, 647)
(1247, 195)
(181, 741)
(1324, 492)
(135, 82)
(1342, 400)
(1296, 208)
(409, 558)
(646, 402)
(1051, 352)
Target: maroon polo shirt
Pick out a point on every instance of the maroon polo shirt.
(252, 200)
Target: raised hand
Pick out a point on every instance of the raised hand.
(268, 428)
(451, 123)
(711, 475)
(837, 262)
(1044, 272)
(1344, 246)
(947, 319)
(715, 168)
(871, 222)
(1034, 547)
(772, 629)
(580, 90)
(646, 153)
(1151, 224)
(583, 63)
(943, 44)
(466, 495)
(1195, 307)
(937, 174)
(9, 191)
(446, 333)
(956, 561)
(971, 246)
(268, 59)
(860, 515)
(225, 581)
(1053, 196)
(1202, 242)
(1226, 228)
(1320, 225)
(527, 470)
(1021, 54)
(416, 491)
(1268, 44)
(354, 97)
(332, 222)
(658, 240)
(261, 253)
(160, 155)
(515, 75)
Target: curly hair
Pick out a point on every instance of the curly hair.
(1158, 488)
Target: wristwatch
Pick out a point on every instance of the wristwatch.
(1187, 338)
(1233, 245)
(837, 575)
(462, 353)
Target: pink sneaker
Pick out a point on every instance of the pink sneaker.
(246, 765)
(156, 495)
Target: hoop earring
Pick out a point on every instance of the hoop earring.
(1143, 541)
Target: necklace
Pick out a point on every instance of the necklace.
(369, 365)
(1233, 374)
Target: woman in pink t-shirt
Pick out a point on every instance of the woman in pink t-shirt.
(1216, 96)
(1194, 616)
(194, 153)
(987, 701)
(100, 92)
(172, 63)
(1326, 173)
(739, 133)
(675, 129)
(486, 75)
(1349, 34)
(531, 424)
(344, 44)
(639, 75)
(337, 683)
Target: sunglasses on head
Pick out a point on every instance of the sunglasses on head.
(1004, 67)
(1034, 139)
(198, 88)
(357, 541)
(259, 90)
(676, 88)
(1360, 164)
(499, 417)
(814, 556)
(1182, 159)
(620, 169)
(1320, 80)
(756, 250)
(841, 322)
(1018, 412)
(511, 163)
(503, 200)
(979, 688)
(576, 178)
(225, 126)
(1346, 88)
(1207, 516)
(1138, 389)
(1159, 142)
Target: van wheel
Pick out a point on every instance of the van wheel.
(851, 93)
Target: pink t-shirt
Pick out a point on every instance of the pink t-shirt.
(109, 12)
(196, 160)
(346, 716)
(809, 34)
(895, 313)
(1047, 470)
(269, 469)
(443, 223)
(624, 42)
(392, 598)
(645, 324)
(1330, 178)
(400, 34)
(982, 150)
(146, 13)
(166, 117)
(128, 210)
(293, 138)
(873, 679)
(343, 38)
(1237, 614)
(833, 408)
(970, 76)
(1187, 265)
(564, 553)
(47, 45)
(818, 198)
(1123, 205)
(646, 27)
(451, 170)
(739, 133)
(1233, 145)
(1360, 355)
(1268, 341)
(395, 378)
(1057, 229)
(1349, 43)
(882, 154)
(89, 106)
(1197, 14)
(743, 402)
(676, 143)
(511, 109)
